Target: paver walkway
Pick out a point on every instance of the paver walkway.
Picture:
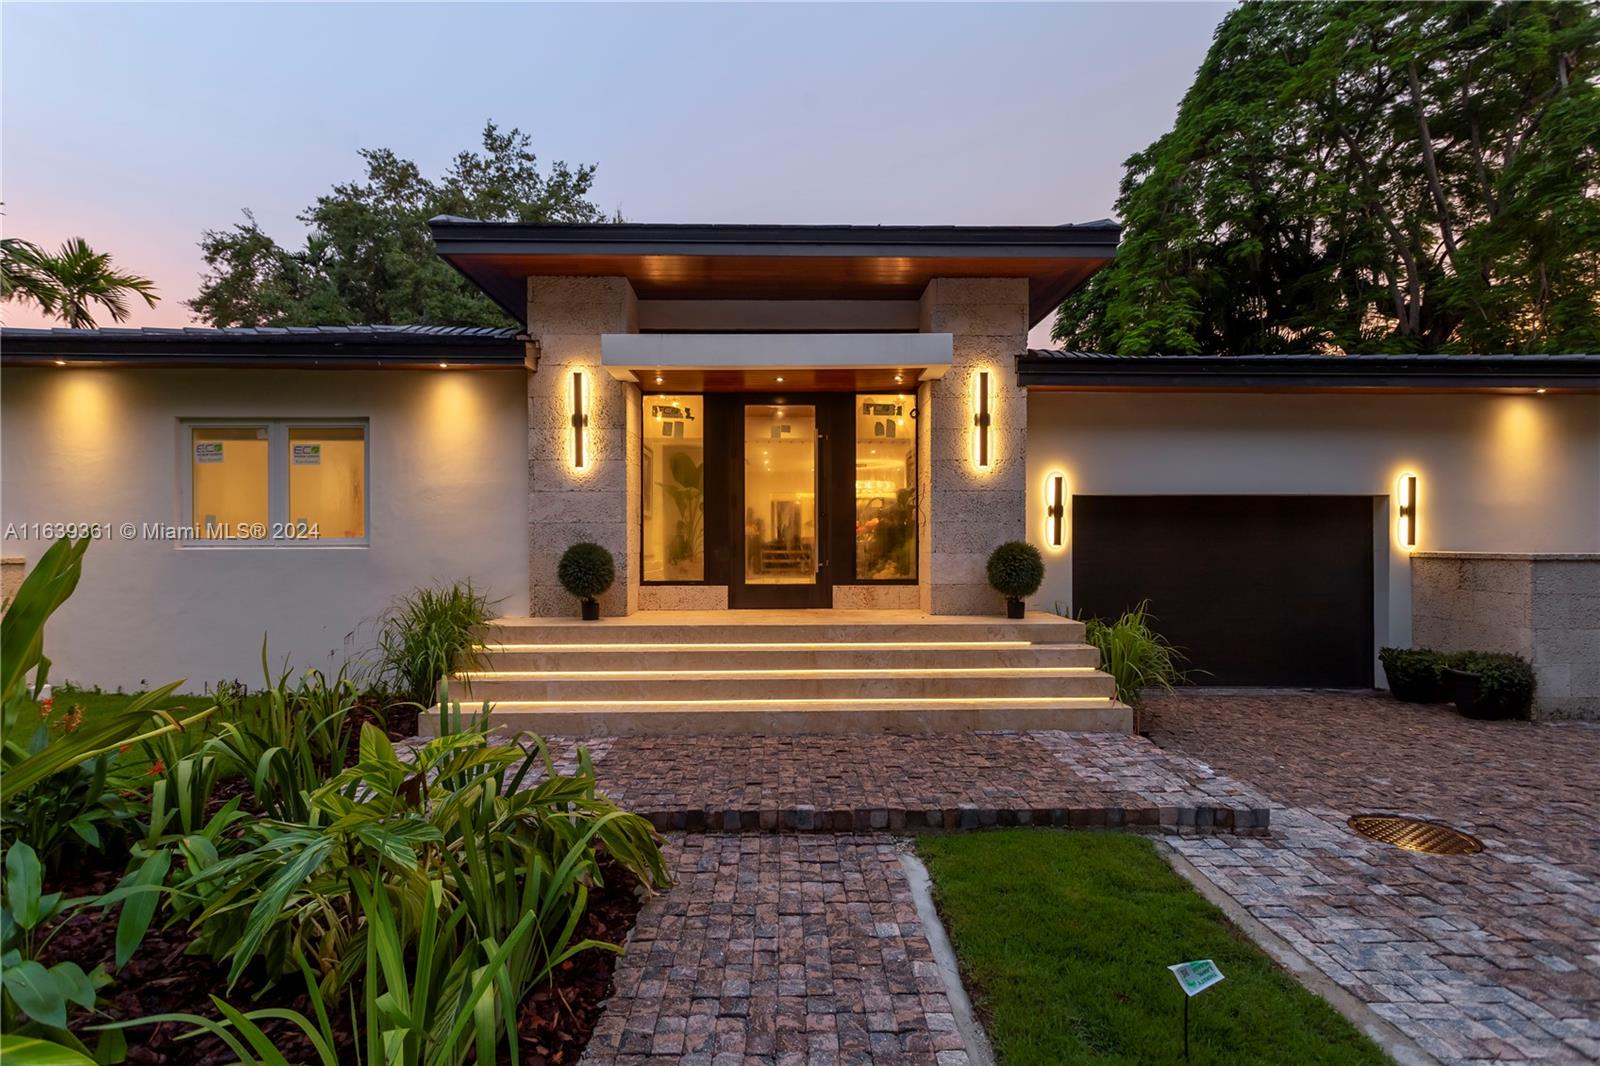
(779, 949)
(1486, 958)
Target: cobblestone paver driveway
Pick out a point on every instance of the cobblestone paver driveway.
(1487, 958)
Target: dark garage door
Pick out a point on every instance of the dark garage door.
(1256, 590)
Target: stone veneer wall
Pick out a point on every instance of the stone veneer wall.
(566, 316)
(964, 512)
(1545, 608)
(13, 568)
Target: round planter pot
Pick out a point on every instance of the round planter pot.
(1465, 689)
(1015, 608)
(591, 610)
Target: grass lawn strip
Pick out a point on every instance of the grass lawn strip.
(1065, 938)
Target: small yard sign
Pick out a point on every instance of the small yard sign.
(1197, 976)
(1193, 977)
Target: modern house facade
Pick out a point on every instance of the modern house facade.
(801, 418)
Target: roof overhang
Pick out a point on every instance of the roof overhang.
(758, 362)
(716, 262)
(312, 347)
(1053, 369)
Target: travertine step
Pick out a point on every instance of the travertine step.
(1096, 714)
(764, 627)
(795, 656)
(786, 684)
(756, 672)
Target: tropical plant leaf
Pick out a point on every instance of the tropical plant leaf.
(17, 1050)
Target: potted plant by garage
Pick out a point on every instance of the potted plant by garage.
(1416, 675)
(1016, 570)
(586, 570)
(1490, 686)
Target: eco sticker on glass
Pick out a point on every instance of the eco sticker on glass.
(307, 454)
(208, 451)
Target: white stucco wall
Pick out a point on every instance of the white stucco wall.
(447, 476)
(1496, 473)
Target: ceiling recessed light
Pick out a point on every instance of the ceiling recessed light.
(780, 381)
(1541, 392)
(898, 379)
(444, 366)
(658, 379)
(63, 362)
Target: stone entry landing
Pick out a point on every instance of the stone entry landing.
(913, 781)
(791, 672)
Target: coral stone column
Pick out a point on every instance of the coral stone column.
(599, 501)
(966, 511)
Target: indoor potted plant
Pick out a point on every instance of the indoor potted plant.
(1016, 570)
(586, 570)
(1489, 686)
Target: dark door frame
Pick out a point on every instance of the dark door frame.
(835, 501)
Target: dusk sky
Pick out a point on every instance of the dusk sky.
(138, 126)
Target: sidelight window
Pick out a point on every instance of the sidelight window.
(886, 487)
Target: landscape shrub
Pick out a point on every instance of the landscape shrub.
(1134, 654)
(1422, 675)
(427, 635)
(1016, 570)
(504, 855)
(1415, 675)
(586, 570)
(1505, 684)
(49, 787)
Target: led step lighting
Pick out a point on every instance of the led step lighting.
(898, 645)
(912, 702)
(865, 673)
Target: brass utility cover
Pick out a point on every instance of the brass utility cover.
(1414, 834)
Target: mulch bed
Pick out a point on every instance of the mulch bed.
(554, 1021)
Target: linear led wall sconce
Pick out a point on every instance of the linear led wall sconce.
(981, 422)
(580, 422)
(1406, 515)
(1055, 510)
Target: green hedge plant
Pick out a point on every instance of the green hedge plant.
(1016, 570)
(1500, 685)
(1415, 675)
(429, 634)
(586, 570)
(1491, 685)
(1134, 654)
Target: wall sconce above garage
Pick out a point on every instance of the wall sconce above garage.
(1405, 494)
(1055, 510)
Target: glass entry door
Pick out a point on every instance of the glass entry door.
(782, 512)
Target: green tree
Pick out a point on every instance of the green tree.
(1372, 177)
(69, 283)
(368, 258)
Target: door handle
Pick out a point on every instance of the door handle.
(821, 490)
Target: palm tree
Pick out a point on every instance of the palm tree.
(69, 283)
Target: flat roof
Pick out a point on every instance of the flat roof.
(1064, 369)
(313, 347)
(754, 262)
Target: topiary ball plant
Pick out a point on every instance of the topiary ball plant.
(586, 570)
(1016, 570)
